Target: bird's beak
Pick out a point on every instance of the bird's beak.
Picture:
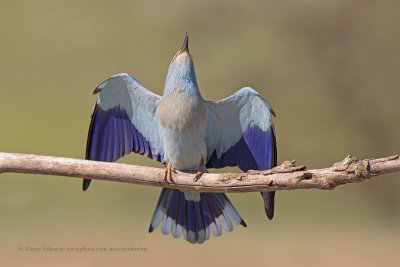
(185, 46)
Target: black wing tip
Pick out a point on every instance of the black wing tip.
(269, 204)
(270, 209)
(96, 90)
(272, 112)
(85, 184)
(270, 213)
(242, 223)
(100, 86)
(151, 229)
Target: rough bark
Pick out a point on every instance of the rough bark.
(286, 176)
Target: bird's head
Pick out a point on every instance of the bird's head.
(181, 74)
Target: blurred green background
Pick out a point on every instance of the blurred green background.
(330, 69)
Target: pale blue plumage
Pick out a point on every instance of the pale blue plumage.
(140, 104)
(122, 123)
(190, 133)
(229, 118)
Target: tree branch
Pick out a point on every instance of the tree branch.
(287, 176)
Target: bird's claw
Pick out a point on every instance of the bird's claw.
(198, 175)
(199, 172)
(168, 173)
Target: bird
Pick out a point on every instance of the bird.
(187, 133)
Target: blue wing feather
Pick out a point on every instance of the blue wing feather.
(254, 151)
(123, 120)
(111, 135)
(240, 133)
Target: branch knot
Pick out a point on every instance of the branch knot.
(344, 164)
(350, 164)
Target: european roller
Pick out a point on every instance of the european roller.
(184, 132)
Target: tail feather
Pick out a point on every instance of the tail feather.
(180, 219)
(191, 226)
(172, 212)
(210, 220)
(200, 227)
(216, 215)
(160, 210)
(223, 217)
(230, 209)
(194, 215)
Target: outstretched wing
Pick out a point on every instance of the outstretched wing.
(124, 119)
(240, 132)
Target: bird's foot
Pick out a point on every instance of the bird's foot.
(198, 175)
(168, 173)
(200, 172)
